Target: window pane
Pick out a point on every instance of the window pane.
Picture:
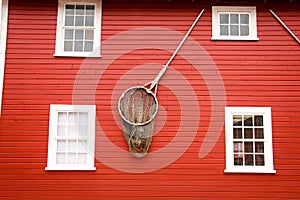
(79, 34)
(72, 145)
(68, 46)
(234, 19)
(248, 147)
(259, 133)
(237, 120)
(82, 146)
(88, 46)
(89, 21)
(83, 117)
(90, 9)
(83, 129)
(238, 147)
(260, 160)
(224, 18)
(248, 133)
(62, 117)
(69, 34)
(78, 46)
(70, 9)
(82, 158)
(234, 30)
(237, 133)
(249, 160)
(258, 120)
(73, 130)
(71, 158)
(89, 34)
(79, 20)
(79, 9)
(244, 18)
(60, 158)
(259, 147)
(72, 117)
(244, 30)
(238, 160)
(61, 145)
(69, 21)
(224, 30)
(248, 120)
(61, 130)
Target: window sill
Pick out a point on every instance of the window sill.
(78, 55)
(259, 171)
(70, 168)
(234, 39)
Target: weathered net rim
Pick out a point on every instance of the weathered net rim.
(132, 89)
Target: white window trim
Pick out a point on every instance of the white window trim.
(3, 38)
(59, 30)
(238, 9)
(52, 144)
(268, 149)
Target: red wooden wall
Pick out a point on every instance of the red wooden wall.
(255, 73)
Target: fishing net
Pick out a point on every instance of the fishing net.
(138, 107)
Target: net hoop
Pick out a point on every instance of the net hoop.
(124, 95)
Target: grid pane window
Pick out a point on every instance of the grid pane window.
(248, 140)
(234, 24)
(79, 25)
(71, 137)
(78, 29)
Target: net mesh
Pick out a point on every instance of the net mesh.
(138, 108)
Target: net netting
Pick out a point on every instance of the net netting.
(138, 107)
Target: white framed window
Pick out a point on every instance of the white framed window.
(71, 143)
(249, 140)
(78, 28)
(234, 23)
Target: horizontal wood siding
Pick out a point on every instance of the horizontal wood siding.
(254, 73)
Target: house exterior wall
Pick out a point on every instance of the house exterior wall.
(254, 73)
